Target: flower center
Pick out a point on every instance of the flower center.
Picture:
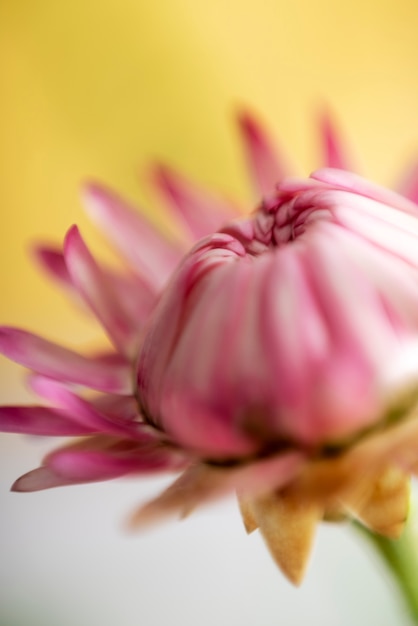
(277, 221)
(285, 218)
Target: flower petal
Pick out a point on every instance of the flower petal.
(85, 465)
(408, 186)
(97, 291)
(135, 295)
(39, 479)
(266, 168)
(103, 458)
(134, 236)
(358, 185)
(199, 211)
(86, 413)
(39, 420)
(336, 154)
(60, 363)
(52, 261)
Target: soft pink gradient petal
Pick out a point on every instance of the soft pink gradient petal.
(60, 363)
(202, 396)
(86, 413)
(39, 479)
(133, 293)
(295, 340)
(52, 262)
(38, 420)
(134, 237)
(98, 293)
(408, 185)
(358, 185)
(345, 397)
(265, 165)
(161, 338)
(336, 153)
(200, 212)
(86, 465)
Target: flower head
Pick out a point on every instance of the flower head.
(277, 357)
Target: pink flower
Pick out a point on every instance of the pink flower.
(277, 358)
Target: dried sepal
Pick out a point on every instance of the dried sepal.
(202, 483)
(288, 527)
(344, 477)
(386, 509)
(247, 514)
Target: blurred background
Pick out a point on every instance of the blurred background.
(95, 89)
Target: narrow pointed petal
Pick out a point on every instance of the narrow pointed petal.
(199, 210)
(39, 479)
(60, 363)
(265, 166)
(336, 154)
(408, 186)
(39, 420)
(84, 412)
(134, 236)
(104, 458)
(72, 466)
(53, 263)
(201, 484)
(288, 527)
(89, 466)
(247, 514)
(98, 293)
(134, 294)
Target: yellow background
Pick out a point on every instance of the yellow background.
(95, 89)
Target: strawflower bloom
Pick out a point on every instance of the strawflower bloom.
(276, 358)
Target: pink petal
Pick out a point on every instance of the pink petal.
(267, 169)
(336, 154)
(201, 213)
(135, 295)
(133, 235)
(97, 291)
(85, 465)
(38, 420)
(123, 409)
(60, 363)
(392, 277)
(86, 413)
(53, 263)
(294, 338)
(169, 313)
(39, 479)
(408, 186)
(200, 379)
(358, 185)
(99, 458)
(346, 397)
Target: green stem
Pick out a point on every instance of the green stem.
(401, 557)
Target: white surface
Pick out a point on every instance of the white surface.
(65, 561)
